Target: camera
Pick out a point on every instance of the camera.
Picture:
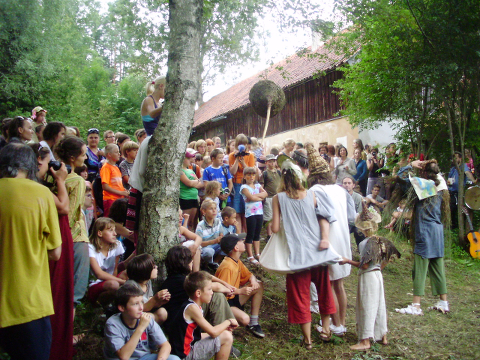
(241, 151)
(225, 191)
(56, 165)
(374, 154)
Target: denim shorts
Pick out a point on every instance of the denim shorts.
(238, 203)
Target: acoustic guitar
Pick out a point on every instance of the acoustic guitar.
(473, 237)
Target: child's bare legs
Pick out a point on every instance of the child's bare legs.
(110, 287)
(160, 315)
(192, 218)
(340, 302)
(241, 223)
(256, 247)
(248, 247)
(395, 216)
(226, 341)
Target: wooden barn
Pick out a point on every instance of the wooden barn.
(310, 113)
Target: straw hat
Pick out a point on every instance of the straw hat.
(367, 219)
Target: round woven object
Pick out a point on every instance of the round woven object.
(262, 92)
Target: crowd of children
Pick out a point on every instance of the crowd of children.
(226, 198)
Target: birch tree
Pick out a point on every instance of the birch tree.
(166, 150)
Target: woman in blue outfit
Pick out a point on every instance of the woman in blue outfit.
(152, 107)
(362, 171)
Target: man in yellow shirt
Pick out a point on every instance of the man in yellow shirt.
(29, 238)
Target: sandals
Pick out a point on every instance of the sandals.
(252, 260)
(325, 337)
(410, 310)
(307, 346)
(78, 338)
(257, 257)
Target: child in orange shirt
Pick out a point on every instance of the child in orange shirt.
(111, 178)
(234, 272)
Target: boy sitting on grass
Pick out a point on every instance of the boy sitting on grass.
(187, 341)
(229, 221)
(234, 272)
(133, 334)
(209, 230)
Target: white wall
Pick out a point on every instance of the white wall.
(382, 136)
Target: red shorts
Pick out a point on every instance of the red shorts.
(94, 291)
(298, 294)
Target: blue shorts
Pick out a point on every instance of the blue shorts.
(238, 202)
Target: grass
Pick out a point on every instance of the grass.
(450, 336)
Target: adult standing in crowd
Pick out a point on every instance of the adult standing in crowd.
(430, 214)
(94, 155)
(345, 165)
(30, 236)
(453, 182)
(306, 236)
(374, 163)
(20, 128)
(152, 106)
(358, 144)
(53, 133)
(362, 172)
(238, 161)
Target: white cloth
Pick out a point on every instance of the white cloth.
(274, 257)
(45, 145)
(371, 312)
(137, 174)
(339, 230)
(107, 264)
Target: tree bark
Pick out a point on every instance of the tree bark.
(166, 149)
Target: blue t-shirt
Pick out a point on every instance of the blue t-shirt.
(217, 174)
(224, 230)
(454, 174)
(117, 335)
(252, 207)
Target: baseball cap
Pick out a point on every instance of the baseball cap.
(229, 241)
(270, 157)
(190, 153)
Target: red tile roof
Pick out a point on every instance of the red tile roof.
(285, 73)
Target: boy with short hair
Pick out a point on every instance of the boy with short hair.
(217, 171)
(234, 272)
(129, 151)
(109, 137)
(271, 180)
(111, 178)
(187, 341)
(229, 221)
(209, 230)
(133, 334)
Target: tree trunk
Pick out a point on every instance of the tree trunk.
(166, 149)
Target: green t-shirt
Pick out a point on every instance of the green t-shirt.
(187, 192)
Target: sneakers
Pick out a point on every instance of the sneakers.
(441, 306)
(256, 330)
(336, 330)
(410, 310)
(235, 353)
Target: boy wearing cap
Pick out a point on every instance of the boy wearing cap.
(270, 180)
(234, 272)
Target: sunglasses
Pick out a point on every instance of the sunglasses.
(93, 131)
